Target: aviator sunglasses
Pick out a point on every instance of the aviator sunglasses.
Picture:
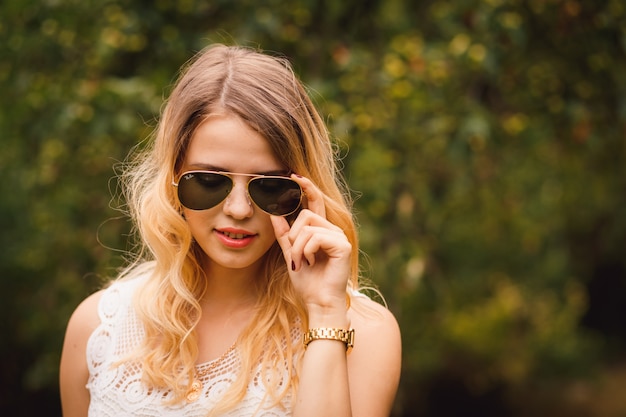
(276, 195)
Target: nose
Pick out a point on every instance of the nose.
(238, 204)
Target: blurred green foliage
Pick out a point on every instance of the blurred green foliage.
(485, 141)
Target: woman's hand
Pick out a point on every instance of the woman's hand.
(318, 257)
(332, 382)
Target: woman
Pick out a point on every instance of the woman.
(244, 297)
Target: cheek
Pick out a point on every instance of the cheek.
(267, 228)
(197, 221)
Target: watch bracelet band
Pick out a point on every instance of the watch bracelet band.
(329, 333)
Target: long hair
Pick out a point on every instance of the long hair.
(264, 92)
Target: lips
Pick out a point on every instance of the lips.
(235, 235)
(235, 238)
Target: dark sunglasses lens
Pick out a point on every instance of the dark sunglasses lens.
(203, 190)
(277, 196)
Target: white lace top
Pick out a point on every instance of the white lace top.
(119, 392)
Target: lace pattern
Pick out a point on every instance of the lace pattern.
(117, 391)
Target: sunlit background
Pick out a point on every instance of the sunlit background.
(485, 142)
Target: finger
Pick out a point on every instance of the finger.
(314, 241)
(328, 243)
(298, 241)
(281, 231)
(308, 218)
(314, 197)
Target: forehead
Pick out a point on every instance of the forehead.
(225, 142)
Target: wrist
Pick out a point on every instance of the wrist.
(345, 336)
(328, 316)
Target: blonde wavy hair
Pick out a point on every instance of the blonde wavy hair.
(264, 92)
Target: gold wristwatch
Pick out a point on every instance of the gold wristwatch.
(330, 333)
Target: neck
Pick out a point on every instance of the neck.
(229, 289)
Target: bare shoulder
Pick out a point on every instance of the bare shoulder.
(372, 319)
(73, 371)
(81, 325)
(374, 364)
(85, 317)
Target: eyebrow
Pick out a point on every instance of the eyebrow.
(209, 167)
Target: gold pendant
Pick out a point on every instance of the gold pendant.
(194, 391)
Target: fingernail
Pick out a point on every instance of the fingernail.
(298, 175)
(293, 266)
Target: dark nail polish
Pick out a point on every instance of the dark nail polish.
(293, 266)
